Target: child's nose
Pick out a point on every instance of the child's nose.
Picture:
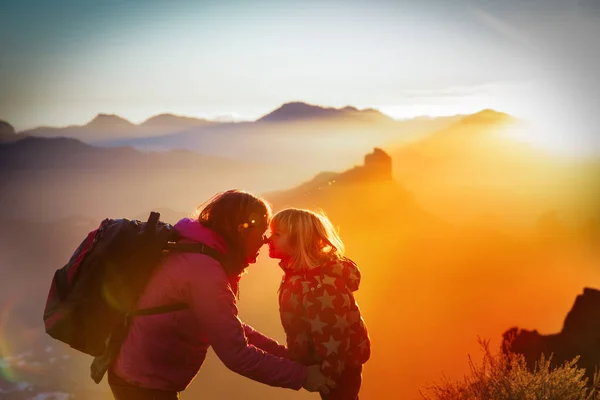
(265, 239)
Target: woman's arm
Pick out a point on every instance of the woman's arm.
(264, 342)
(213, 303)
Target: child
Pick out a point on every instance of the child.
(319, 314)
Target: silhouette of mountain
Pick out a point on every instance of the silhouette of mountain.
(162, 121)
(377, 168)
(487, 116)
(6, 129)
(71, 175)
(55, 153)
(471, 140)
(302, 111)
(7, 133)
(480, 152)
(363, 196)
(284, 136)
(105, 127)
(34, 152)
(109, 121)
(289, 141)
(579, 336)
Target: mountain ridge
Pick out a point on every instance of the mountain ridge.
(290, 111)
(294, 111)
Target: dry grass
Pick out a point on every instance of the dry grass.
(506, 377)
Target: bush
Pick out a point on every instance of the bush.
(504, 376)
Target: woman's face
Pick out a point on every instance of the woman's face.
(279, 244)
(254, 237)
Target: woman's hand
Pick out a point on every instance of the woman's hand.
(316, 381)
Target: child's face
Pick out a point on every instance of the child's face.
(279, 246)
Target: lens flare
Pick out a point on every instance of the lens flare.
(7, 358)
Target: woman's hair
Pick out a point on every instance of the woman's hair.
(311, 236)
(225, 212)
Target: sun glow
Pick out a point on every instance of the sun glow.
(545, 126)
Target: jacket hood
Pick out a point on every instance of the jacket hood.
(344, 268)
(191, 230)
(349, 271)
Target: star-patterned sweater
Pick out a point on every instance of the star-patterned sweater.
(321, 318)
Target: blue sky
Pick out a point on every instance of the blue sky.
(65, 61)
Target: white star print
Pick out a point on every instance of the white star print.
(331, 345)
(317, 325)
(341, 323)
(326, 300)
(338, 269)
(329, 280)
(294, 279)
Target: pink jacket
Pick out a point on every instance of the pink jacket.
(165, 351)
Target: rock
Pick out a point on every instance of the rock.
(580, 336)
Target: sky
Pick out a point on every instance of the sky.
(63, 62)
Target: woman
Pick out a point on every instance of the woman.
(319, 314)
(163, 353)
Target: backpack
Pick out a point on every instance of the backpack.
(92, 299)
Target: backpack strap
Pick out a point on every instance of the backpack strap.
(195, 248)
(159, 310)
(200, 248)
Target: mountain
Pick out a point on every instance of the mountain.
(109, 121)
(339, 139)
(110, 128)
(296, 111)
(479, 138)
(163, 121)
(487, 117)
(7, 133)
(286, 136)
(359, 196)
(77, 178)
(479, 154)
(579, 336)
(62, 153)
(6, 129)
(105, 127)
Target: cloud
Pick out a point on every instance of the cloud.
(484, 89)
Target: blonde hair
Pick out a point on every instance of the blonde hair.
(312, 237)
